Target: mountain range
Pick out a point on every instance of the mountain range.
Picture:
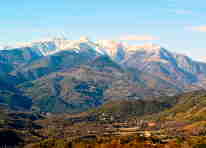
(61, 75)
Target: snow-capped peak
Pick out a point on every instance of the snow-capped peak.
(115, 49)
(111, 47)
(49, 46)
(84, 39)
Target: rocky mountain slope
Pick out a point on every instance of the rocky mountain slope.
(61, 75)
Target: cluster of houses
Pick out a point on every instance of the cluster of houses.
(124, 129)
(115, 126)
(108, 125)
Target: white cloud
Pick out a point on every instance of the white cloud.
(203, 59)
(197, 28)
(138, 38)
(183, 11)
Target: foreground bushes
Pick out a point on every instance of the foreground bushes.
(121, 142)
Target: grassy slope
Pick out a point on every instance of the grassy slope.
(187, 107)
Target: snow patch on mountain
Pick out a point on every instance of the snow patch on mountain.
(118, 51)
(51, 46)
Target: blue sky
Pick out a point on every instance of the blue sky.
(179, 25)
